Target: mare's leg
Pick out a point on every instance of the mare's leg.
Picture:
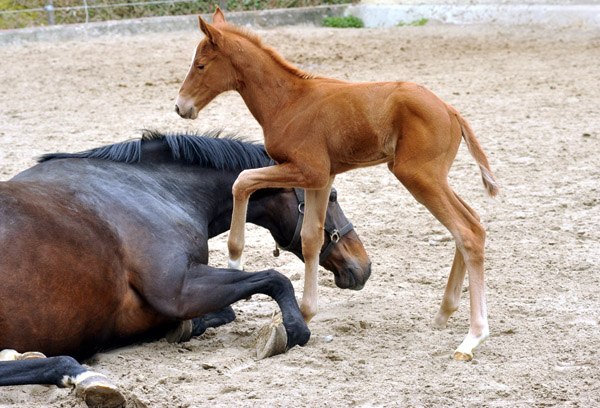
(430, 187)
(215, 319)
(62, 371)
(451, 299)
(186, 329)
(204, 289)
(312, 241)
(279, 176)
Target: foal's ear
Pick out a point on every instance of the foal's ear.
(218, 17)
(212, 33)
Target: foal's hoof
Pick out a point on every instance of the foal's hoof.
(440, 322)
(272, 339)
(99, 391)
(458, 355)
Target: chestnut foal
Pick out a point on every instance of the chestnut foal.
(315, 128)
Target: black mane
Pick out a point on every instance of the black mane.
(209, 150)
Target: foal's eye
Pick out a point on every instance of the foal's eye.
(200, 67)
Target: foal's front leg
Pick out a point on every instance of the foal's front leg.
(317, 189)
(312, 240)
(237, 232)
(278, 176)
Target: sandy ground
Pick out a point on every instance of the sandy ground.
(532, 94)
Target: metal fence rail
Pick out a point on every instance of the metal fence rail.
(50, 9)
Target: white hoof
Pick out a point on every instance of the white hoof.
(464, 352)
(97, 390)
(235, 264)
(9, 355)
(12, 355)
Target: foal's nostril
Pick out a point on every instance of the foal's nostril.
(177, 109)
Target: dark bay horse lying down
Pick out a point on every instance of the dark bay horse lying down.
(108, 247)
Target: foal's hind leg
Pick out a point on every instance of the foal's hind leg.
(431, 189)
(451, 299)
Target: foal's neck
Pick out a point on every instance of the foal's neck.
(266, 86)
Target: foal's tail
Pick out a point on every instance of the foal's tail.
(489, 181)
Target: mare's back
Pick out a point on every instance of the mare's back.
(131, 198)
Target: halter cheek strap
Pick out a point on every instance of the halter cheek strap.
(334, 234)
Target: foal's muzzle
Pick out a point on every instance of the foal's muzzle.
(184, 106)
(190, 113)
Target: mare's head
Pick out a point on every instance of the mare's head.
(342, 252)
(211, 72)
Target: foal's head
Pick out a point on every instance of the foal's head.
(211, 72)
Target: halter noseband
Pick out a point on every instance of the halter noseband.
(334, 234)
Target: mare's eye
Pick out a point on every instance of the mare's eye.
(200, 66)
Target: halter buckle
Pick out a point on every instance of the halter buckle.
(335, 236)
(301, 207)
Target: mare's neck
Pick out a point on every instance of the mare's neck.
(221, 208)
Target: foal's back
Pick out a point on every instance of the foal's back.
(352, 125)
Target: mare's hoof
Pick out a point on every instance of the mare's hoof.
(31, 355)
(181, 333)
(272, 339)
(458, 355)
(98, 391)
(9, 355)
(12, 355)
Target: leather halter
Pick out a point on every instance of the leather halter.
(334, 234)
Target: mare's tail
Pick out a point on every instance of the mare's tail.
(489, 181)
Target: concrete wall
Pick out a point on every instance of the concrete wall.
(465, 12)
(505, 12)
(480, 2)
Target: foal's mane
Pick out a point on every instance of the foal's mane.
(228, 152)
(277, 57)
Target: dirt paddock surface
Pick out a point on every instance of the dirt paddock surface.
(532, 95)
